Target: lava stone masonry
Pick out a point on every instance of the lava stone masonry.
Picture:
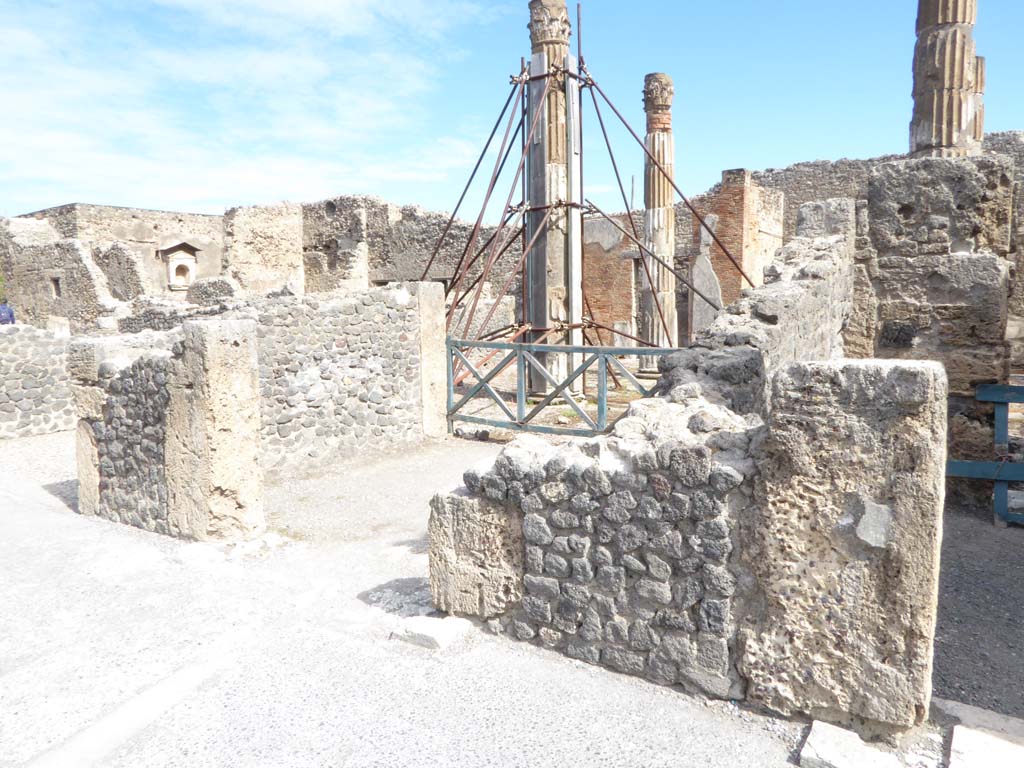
(35, 394)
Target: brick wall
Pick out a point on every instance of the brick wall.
(608, 281)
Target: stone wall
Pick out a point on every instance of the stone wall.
(263, 249)
(344, 373)
(933, 281)
(798, 314)
(395, 242)
(168, 431)
(35, 394)
(143, 232)
(637, 551)
(807, 182)
(53, 279)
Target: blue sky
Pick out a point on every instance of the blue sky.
(206, 104)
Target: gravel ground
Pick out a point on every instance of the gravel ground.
(122, 648)
(979, 647)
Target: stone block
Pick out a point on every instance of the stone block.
(976, 748)
(263, 248)
(846, 543)
(212, 455)
(831, 747)
(476, 555)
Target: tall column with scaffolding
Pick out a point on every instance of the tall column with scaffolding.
(659, 324)
(553, 300)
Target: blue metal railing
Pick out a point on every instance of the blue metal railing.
(1002, 473)
(527, 358)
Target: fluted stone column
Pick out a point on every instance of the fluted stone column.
(659, 219)
(554, 273)
(949, 81)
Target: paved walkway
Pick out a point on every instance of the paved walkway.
(123, 648)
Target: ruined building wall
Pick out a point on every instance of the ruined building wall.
(635, 551)
(144, 232)
(395, 241)
(806, 182)
(35, 395)
(263, 249)
(937, 264)
(346, 373)
(168, 431)
(50, 279)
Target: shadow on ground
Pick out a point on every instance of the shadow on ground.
(66, 491)
(402, 597)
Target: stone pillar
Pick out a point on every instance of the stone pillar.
(433, 372)
(659, 220)
(554, 276)
(949, 81)
(212, 448)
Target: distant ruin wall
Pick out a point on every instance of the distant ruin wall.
(144, 232)
(48, 277)
(344, 373)
(35, 394)
(263, 249)
(609, 284)
(168, 431)
(819, 180)
(396, 242)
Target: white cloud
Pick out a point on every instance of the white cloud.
(267, 100)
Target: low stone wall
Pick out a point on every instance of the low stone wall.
(168, 431)
(346, 372)
(35, 394)
(641, 551)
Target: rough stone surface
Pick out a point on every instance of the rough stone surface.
(798, 314)
(138, 234)
(263, 248)
(476, 556)
(35, 394)
(212, 448)
(936, 278)
(47, 276)
(845, 547)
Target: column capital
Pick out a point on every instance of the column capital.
(549, 24)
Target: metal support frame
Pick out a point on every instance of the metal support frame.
(1001, 472)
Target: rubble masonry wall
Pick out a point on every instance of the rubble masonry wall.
(35, 393)
(48, 278)
(168, 431)
(346, 372)
(143, 232)
(637, 551)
